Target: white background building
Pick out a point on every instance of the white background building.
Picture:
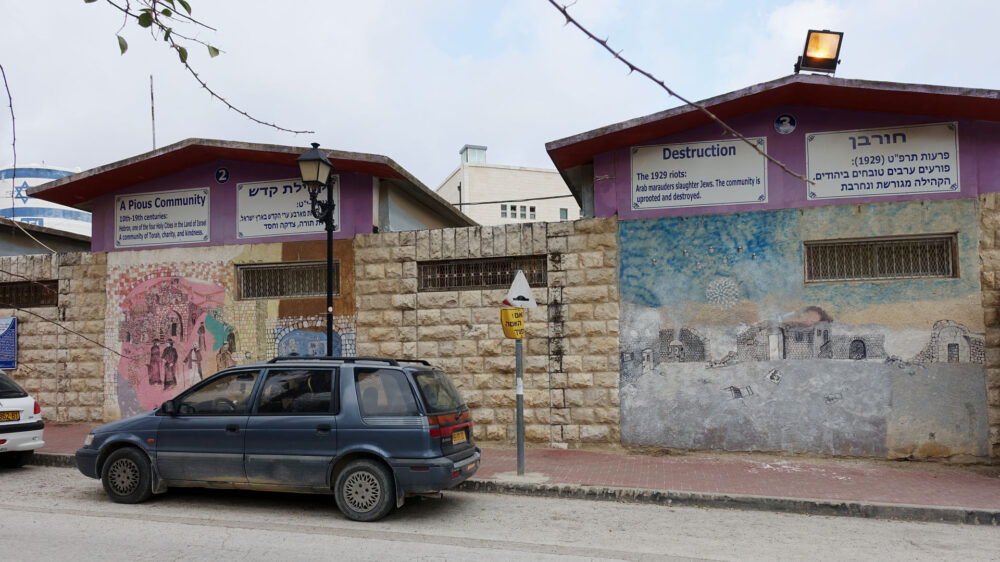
(491, 194)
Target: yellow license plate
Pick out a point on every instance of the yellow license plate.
(458, 437)
(16, 416)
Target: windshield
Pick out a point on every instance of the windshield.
(439, 393)
(9, 388)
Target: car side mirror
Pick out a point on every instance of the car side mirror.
(169, 408)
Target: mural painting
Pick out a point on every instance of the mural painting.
(724, 346)
(166, 345)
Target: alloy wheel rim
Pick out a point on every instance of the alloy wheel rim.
(123, 476)
(362, 491)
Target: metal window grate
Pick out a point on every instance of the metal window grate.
(28, 294)
(286, 280)
(480, 273)
(881, 258)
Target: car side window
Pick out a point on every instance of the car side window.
(296, 391)
(226, 395)
(384, 392)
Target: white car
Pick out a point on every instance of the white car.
(20, 424)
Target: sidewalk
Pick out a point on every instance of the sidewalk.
(912, 491)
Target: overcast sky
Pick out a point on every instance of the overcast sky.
(416, 80)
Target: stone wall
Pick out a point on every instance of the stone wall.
(61, 369)
(571, 348)
(989, 250)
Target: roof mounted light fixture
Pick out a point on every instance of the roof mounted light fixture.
(822, 51)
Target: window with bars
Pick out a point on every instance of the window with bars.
(870, 259)
(29, 294)
(480, 273)
(286, 280)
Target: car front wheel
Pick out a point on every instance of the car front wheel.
(365, 491)
(126, 476)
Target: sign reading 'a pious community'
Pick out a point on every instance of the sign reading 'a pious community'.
(166, 217)
(888, 161)
(723, 172)
(280, 208)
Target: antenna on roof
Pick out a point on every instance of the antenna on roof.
(152, 109)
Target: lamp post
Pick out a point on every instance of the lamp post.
(315, 169)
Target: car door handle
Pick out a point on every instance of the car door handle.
(232, 428)
(323, 428)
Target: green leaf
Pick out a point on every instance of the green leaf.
(166, 34)
(183, 54)
(212, 51)
(122, 44)
(185, 5)
(145, 19)
(89, 1)
(166, 12)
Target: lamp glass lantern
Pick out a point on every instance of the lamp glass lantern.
(821, 52)
(314, 167)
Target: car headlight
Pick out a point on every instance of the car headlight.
(89, 439)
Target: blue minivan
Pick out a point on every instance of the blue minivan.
(370, 431)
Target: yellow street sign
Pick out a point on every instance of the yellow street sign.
(512, 320)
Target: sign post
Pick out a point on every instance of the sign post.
(512, 320)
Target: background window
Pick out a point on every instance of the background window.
(891, 257)
(531, 212)
(523, 214)
(384, 392)
(28, 294)
(563, 214)
(296, 391)
(286, 280)
(503, 211)
(480, 273)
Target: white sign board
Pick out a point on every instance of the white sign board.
(165, 217)
(722, 172)
(280, 208)
(888, 161)
(520, 295)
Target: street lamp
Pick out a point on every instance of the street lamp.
(315, 170)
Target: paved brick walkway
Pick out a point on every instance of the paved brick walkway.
(866, 481)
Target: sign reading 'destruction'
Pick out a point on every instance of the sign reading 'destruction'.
(8, 343)
(280, 208)
(166, 217)
(723, 172)
(888, 161)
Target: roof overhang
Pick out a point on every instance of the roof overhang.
(800, 89)
(44, 230)
(79, 190)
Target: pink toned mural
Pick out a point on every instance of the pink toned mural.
(166, 345)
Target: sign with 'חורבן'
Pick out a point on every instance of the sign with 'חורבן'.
(8, 343)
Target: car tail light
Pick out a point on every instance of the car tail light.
(38, 409)
(445, 424)
(2, 441)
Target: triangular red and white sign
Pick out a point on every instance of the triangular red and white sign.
(520, 295)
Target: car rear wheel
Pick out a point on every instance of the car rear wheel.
(365, 491)
(126, 476)
(15, 460)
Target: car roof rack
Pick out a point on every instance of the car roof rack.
(421, 361)
(282, 358)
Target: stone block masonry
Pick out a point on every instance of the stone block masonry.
(989, 251)
(60, 347)
(571, 348)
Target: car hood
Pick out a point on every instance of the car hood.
(141, 421)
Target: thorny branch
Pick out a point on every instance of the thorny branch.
(564, 10)
(157, 14)
(13, 172)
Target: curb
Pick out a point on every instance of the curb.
(841, 508)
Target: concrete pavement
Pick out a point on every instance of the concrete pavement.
(914, 491)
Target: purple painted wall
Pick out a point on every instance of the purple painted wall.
(979, 161)
(355, 203)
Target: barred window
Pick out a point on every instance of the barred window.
(29, 294)
(891, 257)
(286, 280)
(480, 273)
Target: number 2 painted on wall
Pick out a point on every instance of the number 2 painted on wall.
(222, 175)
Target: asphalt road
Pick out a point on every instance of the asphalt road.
(58, 514)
